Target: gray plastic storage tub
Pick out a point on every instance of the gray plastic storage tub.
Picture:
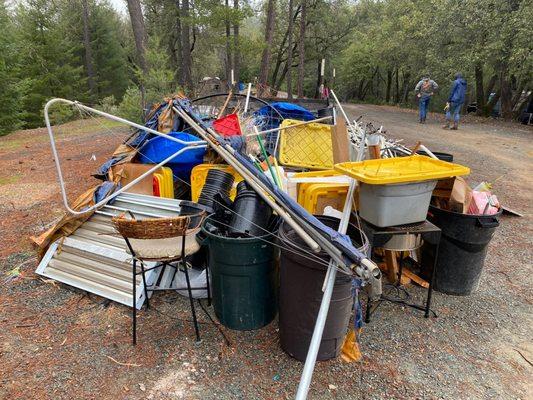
(395, 204)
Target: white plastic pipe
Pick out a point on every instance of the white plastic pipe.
(429, 153)
(340, 107)
(247, 102)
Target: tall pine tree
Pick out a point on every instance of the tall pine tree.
(48, 53)
(10, 90)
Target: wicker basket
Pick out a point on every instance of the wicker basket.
(155, 228)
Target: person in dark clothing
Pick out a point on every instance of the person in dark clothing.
(455, 102)
(424, 90)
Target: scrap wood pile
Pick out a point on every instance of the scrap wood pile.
(258, 182)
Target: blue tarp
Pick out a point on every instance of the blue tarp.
(340, 241)
(287, 111)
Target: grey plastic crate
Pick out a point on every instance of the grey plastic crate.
(395, 204)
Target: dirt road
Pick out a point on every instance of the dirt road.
(58, 343)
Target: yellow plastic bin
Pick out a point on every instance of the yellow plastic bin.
(314, 197)
(306, 146)
(397, 191)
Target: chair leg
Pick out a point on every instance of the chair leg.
(208, 287)
(134, 308)
(145, 286)
(191, 301)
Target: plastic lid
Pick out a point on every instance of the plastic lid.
(414, 168)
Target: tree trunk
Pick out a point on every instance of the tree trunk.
(389, 85)
(521, 107)
(176, 48)
(397, 86)
(518, 94)
(228, 43)
(490, 86)
(280, 53)
(360, 89)
(265, 60)
(88, 50)
(186, 59)
(301, 51)
(506, 94)
(139, 35)
(318, 80)
(236, 50)
(406, 78)
(289, 51)
(480, 93)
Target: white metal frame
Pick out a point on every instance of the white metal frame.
(189, 146)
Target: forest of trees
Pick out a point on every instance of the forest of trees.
(375, 50)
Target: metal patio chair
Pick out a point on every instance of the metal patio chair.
(167, 242)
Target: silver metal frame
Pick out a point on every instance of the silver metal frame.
(189, 146)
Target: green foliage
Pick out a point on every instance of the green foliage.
(10, 91)
(406, 39)
(48, 54)
(130, 107)
(379, 49)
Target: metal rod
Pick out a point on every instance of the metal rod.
(290, 126)
(190, 146)
(310, 361)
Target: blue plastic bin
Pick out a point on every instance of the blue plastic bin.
(159, 148)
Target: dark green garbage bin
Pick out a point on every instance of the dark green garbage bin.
(243, 278)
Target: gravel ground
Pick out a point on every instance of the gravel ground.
(57, 342)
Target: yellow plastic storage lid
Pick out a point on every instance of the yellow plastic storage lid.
(401, 170)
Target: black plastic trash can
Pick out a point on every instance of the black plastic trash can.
(301, 280)
(462, 249)
(441, 156)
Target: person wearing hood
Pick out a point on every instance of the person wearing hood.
(455, 102)
(424, 90)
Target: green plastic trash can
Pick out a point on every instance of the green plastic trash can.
(243, 278)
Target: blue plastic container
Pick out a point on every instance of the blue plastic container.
(159, 148)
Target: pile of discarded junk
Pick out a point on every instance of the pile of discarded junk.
(267, 208)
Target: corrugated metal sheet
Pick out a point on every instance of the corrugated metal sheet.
(94, 257)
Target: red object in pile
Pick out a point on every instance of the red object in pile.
(156, 188)
(228, 125)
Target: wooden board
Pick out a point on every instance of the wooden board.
(339, 142)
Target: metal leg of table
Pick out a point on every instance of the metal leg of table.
(432, 281)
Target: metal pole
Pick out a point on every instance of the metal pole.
(290, 126)
(190, 146)
(310, 361)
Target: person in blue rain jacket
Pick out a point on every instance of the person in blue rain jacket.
(455, 102)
